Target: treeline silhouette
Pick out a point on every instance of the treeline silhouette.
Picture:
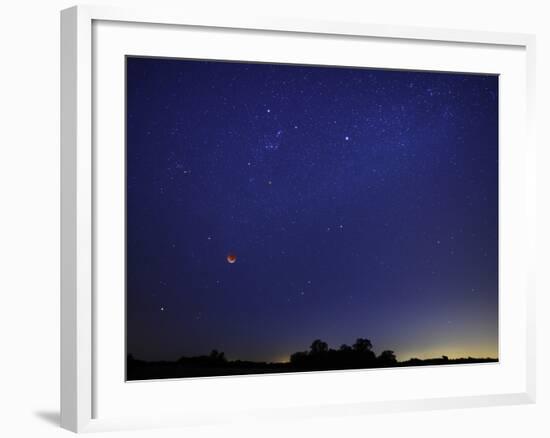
(319, 357)
(360, 355)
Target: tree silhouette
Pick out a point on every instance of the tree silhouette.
(362, 345)
(299, 358)
(363, 354)
(217, 358)
(318, 347)
(387, 357)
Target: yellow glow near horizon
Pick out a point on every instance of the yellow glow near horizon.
(451, 351)
(281, 359)
(481, 351)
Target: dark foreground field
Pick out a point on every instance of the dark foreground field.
(141, 370)
(319, 358)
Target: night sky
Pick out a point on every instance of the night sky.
(358, 203)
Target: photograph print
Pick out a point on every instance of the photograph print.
(285, 218)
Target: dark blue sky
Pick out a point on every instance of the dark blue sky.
(359, 203)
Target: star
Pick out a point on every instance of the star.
(346, 138)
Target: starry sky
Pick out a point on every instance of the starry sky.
(357, 202)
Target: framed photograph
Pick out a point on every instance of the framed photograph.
(264, 218)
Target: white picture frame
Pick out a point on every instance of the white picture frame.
(86, 376)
